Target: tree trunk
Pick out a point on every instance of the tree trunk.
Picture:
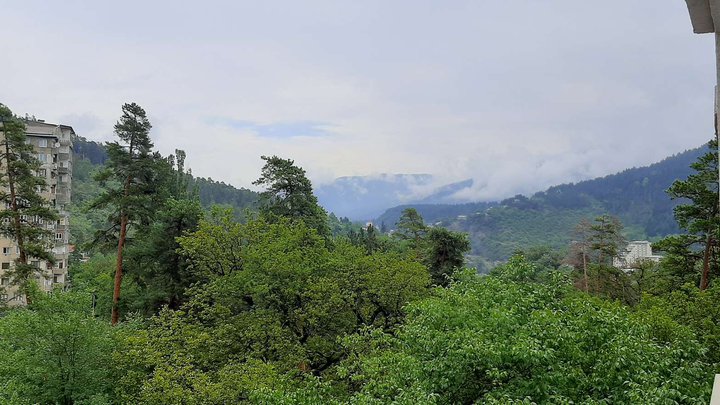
(585, 269)
(17, 224)
(705, 279)
(119, 269)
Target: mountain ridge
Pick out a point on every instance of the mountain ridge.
(498, 229)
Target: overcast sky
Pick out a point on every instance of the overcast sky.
(517, 94)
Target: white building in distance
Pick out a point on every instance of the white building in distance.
(635, 252)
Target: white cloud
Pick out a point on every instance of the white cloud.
(518, 95)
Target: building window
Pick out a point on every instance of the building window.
(60, 264)
(42, 143)
(5, 265)
(4, 281)
(6, 251)
(58, 236)
(3, 297)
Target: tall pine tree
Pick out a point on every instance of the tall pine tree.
(289, 194)
(129, 179)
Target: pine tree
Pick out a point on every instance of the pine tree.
(606, 238)
(129, 179)
(289, 194)
(26, 211)
(411, 226)
(445, 254)
(700, 217)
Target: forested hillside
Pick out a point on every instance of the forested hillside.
(177, 304)
(637, 196)
(89, 157)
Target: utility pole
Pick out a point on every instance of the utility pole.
(705, 17)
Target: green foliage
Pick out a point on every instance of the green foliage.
(506, 339)
(445, 254)
(606, 238)
(130, 176)
(498, 229)
(342, 226)
(274, 302)
(154, 262)
(690, 307)
(501, 231)
(441, 250)
(591, 254)
(411, 226)
(289, 194)
(55, 351)
(95, 277)
(213, 192)
(85, 222)
(701, 189)
(25, 211)
(699, 218)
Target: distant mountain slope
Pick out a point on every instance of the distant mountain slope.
(637, 196)
(90, 155)
(366, 197)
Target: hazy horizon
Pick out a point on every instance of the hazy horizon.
(516, 95)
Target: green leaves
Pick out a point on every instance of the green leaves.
(55, 352)
(25, 211)
(289, 194)
(506, 339)
(700, 218)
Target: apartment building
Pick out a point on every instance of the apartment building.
(53, 147)
(635, 252)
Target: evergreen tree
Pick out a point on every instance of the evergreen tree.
(129, 178)
(411, 226)
(26, 211)
(289, 194)
(579, 251)
(597, 244)
(606, 238)
(445, 254)
(699, 218)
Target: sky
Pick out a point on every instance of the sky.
(516, 94)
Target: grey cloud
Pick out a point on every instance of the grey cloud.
(517, 94)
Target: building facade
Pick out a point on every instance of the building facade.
(54, 149)
(635, 252)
